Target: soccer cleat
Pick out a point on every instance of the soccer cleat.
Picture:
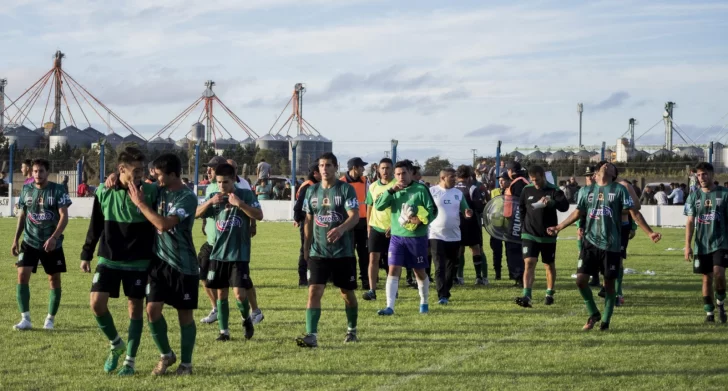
(479, 281)
(350, 337)
(710, 318)
(458, 281)
(23, 325)
(125, 370)
(49, 324)
(592, 321)
(112, 360)
(523, 301)
(497, 277)
(303, 284)
(211, 317)
(604, 326)
(485, 281)
(184, 370)
(223, 337)
(164, 363)
(257, 316)
(386, 312)
(424, 308)
(307, 341)
(369, 295)
(619, 302)
(443, 301)
(721, 313)
(602, 293)
(549, 300)
(248, 327)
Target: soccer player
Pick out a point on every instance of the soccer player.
(127, 240)
(356, 178)
(379, 225)
(538, 205)
(42, 218)
(174, 272)
(332, 211)
(589, 180)
(412, 209)
(26, 168)
(602, 203)
(707, 211)
(444, 231)
(299, 218)
(232, 208)
(470, 229)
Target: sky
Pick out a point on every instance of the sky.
(443, 78)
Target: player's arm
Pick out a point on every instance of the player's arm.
(560, 201)
(630, 189)
(689, 230)
(429, 205)
(465, 209)
(477, 199)
(640, 220)
(573, 217)
(307, 235)
(161, 223)
(95, 229)
(15, 249)
(248, 204)
(298, 215)
(385, 200)
(522, 206)
(50, 244)
(203, 210)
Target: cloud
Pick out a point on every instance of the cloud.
(616, 99)
(490, 130)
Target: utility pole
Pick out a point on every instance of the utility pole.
(57, 70)
(3, 83)
(209, 96)
(580, 110)
(667, 116)
(474, 156)
(632, 123)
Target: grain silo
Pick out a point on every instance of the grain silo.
(306, 152)
(93, 134)
(273, 143)
(160, 144)
(113, 139)
(536, 155)
(70, 135)
(22, 136)
(134, 139)
(197, 132)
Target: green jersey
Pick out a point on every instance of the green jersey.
(603, 206)
(329, 209)
(232, 228)
(41, 208)
(710, 211)
(175, 246)
(417, 201)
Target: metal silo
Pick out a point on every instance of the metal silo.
(160, 144)
(274, 143)
(58, 138)
(182, 143)
(94, 134)
(197, 132)
(113, 140)
(326, 144)
(22, 136)
(134, 139)
(246, 142)
(306, 152)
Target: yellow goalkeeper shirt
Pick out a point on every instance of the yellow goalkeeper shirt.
(379, 220)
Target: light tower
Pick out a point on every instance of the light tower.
(580, 110)
(632, 123)
(58, 70)
(667, 117)
(3, 83)
(298, 91)
(209, 97)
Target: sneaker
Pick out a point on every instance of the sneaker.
(210, 318)
(350, 337)
(257, 316)
(485, 281)
(592, 321)
(523, 301)
(497, 277)
(479, 281)
(303, 284)
(307, 341)
(23, 325)
(248, 327)
(518, 284)
(443, 301)
(721, 313)
(602, 293)
(365, 286)
(424, 308)
(619, 302)
(184, 370)
(386, 312)
(710, 318)
(125, 370)
(369, 295)
(112, 360)
(49, 323)
(164, 363)
(458, 281)
(223, 337)
(548, 300)
(604, 326)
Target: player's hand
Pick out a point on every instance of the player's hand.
(632, 233)
(86, 266)
(468, 213)
(655, 237)
(218, 198)
(688, 254)
(49, 244)
(397, 186)
(415, 220)
(334, 235)
(553, 231)
(235, 200)
(112, 180)
(580, 233)
(296, 224)
(14, 249)
(136, 195)
(388, 232)
(253, 230)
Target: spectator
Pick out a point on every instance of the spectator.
(660, 195)
(573, 187)
(278, 191)
(263, 190)
(3, 185)
(286, 191)
(725, 184)
(83, 189)
(693, 180)
(64, 183)
(636, 187)
(263, 170)
(150, 177)
(481, 171)
(677, 196)
(373, 173)
(27, 170)
(648, 197)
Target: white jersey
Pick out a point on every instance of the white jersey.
(243, 184)
(449, 203)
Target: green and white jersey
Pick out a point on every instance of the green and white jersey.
(603, 206)
(232, 228)
(41, 208)
(329, 209)
(175, 246)
(710, 211)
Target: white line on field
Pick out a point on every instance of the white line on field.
(434, 368)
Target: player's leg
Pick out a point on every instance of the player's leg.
(437, 249)
(371, 294)
(396, 260)
(528, 277)
(302, 265)
(252, 296)
(460, 272)
(612, 265)
(54, 263)
(203, 258)
(159, 289)
(423, 286)
(497, 247)
(548, 257)
(352, 314)
(105, 284)
(588, 261)
(719, 280)
(514, 258)
(418, 248)
(223, 314)
(344, 271)
(188, 337)
(708, 303)
(136, 324)
(22, 295)
(625, 233)
(320, 273)
(478, 264)
(244, 294)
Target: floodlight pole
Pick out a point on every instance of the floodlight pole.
(102, 161)
(394, 150)
(497, 160)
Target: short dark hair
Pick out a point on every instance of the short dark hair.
(463, 171)
(704, 166)
(130, 155)
(448, 170)
(40, 162)
(415, 169)
(406, 164)
(616, 170)
(168, 163)
(387, 160)
(226, 170)
(28, 162)
(533, 170)
(329, 156)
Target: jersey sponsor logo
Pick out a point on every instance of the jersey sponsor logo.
(96, 278)
(314, 202)
(227, 225)
(328, 219)
(600, 197)
(446, 202)
(457, 197)
(326, 201)
(138, 283)
(186, 297)
(696, 264)
(708, 218)
(590, 198)
(530, 197)
(708, 203)
(39, 218)
(611, 197)
(29, 200)
(337, 200)
(352, 203)
(598, 213)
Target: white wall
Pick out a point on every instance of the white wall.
(658, 216)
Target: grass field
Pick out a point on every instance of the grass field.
(480, 341)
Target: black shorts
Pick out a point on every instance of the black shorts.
(378, 242)
(342, 271)
(703, 264)
(593, 259)
(223, 275)
(53, 262)
(203, 259)
(624, 237)
(532, 249)
(107, 280)
(471, 233)
(170, 286)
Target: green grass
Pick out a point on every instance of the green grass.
(480, 341)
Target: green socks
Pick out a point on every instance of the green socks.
(527, 292)
(720, 295)
(609, 302)
(244, 307)
(106, 324)
(478, 263)
(618, 284)
(312, 318)
(135, 336)
(461, 266)
(22, 294)
(352, 314)
(591, 306)
(550, 292)
(54, 301)
(223, 314)
(189, 334)
(159, 335)
(708, 305)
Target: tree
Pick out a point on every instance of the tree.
(434, 164)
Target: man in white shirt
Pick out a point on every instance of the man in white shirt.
(677, 196)
(263, 171)
(444, 231)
